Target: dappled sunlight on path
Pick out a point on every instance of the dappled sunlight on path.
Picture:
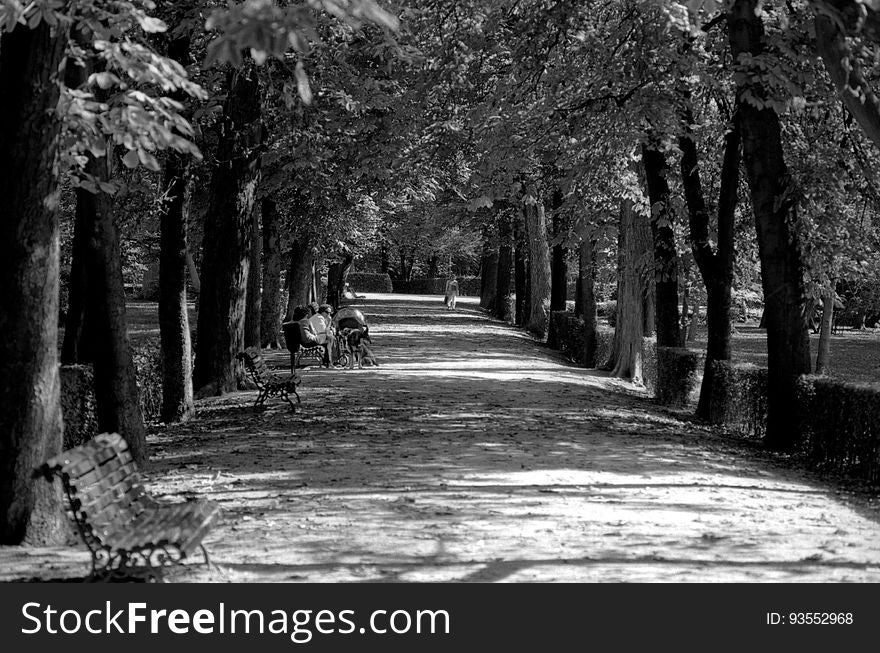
(475, 454)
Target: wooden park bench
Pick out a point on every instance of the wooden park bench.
(269, 384)
(128, 532)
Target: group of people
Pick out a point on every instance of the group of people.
(318, 327)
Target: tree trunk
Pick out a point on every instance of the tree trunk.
(299, 279)
(336, 277)
(254, 301)
(488, 272)
(177, 392)
(559, 264)
(587, 292)
(174, 260)
(823, 357)
(270, 309)
(228, 232)
(520, 280)
(433, 266)
(774, 201)
(634, 266)
(716, 267)
(539, 264)
(665, 256)
(30, 406)
(505, 262)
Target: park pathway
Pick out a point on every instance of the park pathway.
(475, 454)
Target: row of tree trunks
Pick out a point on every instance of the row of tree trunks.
(30, 407)
(665, 255)
(774, 201)
(174, 261)
(634, 297)
(503, 281)
(716, 267)
(227, 239)
(270, 307)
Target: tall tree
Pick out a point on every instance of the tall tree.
(30, 409)
(774, 202)
(716, 266)
(227, 239)
(174, 261)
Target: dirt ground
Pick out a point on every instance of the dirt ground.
(475, 454)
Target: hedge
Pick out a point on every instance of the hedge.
(370, 282)
(738, 400)
(679, 374)
(570, 335)
(840, 426)
(468, 286)
(78, 394)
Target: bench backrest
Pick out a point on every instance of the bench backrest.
(256, 365)
(103, 484)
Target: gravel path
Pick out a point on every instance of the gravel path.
(474, 454)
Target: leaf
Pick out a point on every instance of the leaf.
(131, 160)
(104, 80)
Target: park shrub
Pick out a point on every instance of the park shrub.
(679, 373)
(467, 286)
(370, 282)
(78, 404)
(840, 425)
(738, 401)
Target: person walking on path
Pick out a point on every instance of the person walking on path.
(451, 293)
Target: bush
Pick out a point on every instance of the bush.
(467, 286)
(369, 282)
(679, 372)
(738, 400)
(78, 404)
(840, 424)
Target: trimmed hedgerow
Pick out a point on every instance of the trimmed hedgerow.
(738, 401)
(571, 336)
(840, 425)
(78, 404)
(370, 282)
(467, 286)
(679, 372)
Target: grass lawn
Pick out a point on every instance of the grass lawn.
(855, 355)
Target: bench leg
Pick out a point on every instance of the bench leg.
(261, 398)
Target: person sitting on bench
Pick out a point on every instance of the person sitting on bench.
(308, 337)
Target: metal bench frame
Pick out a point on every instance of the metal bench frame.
(269, 384)
(127, 531)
